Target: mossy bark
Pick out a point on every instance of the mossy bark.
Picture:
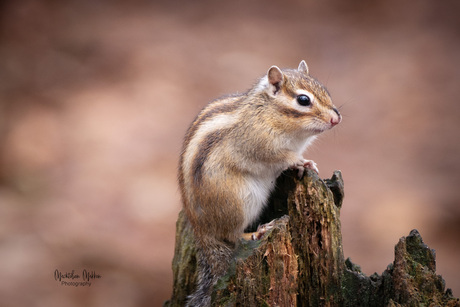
(184, 262)
(299, 262)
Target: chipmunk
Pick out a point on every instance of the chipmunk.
(232, 154)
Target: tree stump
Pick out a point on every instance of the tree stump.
(300, 262)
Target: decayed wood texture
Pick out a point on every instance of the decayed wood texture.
(300, 262)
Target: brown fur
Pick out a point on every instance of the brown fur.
(232, 154)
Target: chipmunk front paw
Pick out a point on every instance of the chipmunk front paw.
(303, 164)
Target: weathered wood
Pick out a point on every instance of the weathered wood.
(299, 262)
(317, 240)
(184, 262)
(410, 280)
(264, 273)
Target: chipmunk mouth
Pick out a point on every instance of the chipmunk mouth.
(321, 128)
(317, 130)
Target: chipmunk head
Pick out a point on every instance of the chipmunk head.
(299, 99)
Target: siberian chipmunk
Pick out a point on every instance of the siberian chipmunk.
(232, 154)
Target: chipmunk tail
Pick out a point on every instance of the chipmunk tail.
(213, 261)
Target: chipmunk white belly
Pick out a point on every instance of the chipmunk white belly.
(256, 195)
(260, 185)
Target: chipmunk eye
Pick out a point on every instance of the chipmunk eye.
(304, 100)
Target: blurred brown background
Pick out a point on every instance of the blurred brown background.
(95, 97)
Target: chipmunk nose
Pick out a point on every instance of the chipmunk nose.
(335, 120)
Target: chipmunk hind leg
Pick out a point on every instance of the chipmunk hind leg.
(261, 230)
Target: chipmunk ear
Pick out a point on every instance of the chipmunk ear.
(303, 68)
(275, 78)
